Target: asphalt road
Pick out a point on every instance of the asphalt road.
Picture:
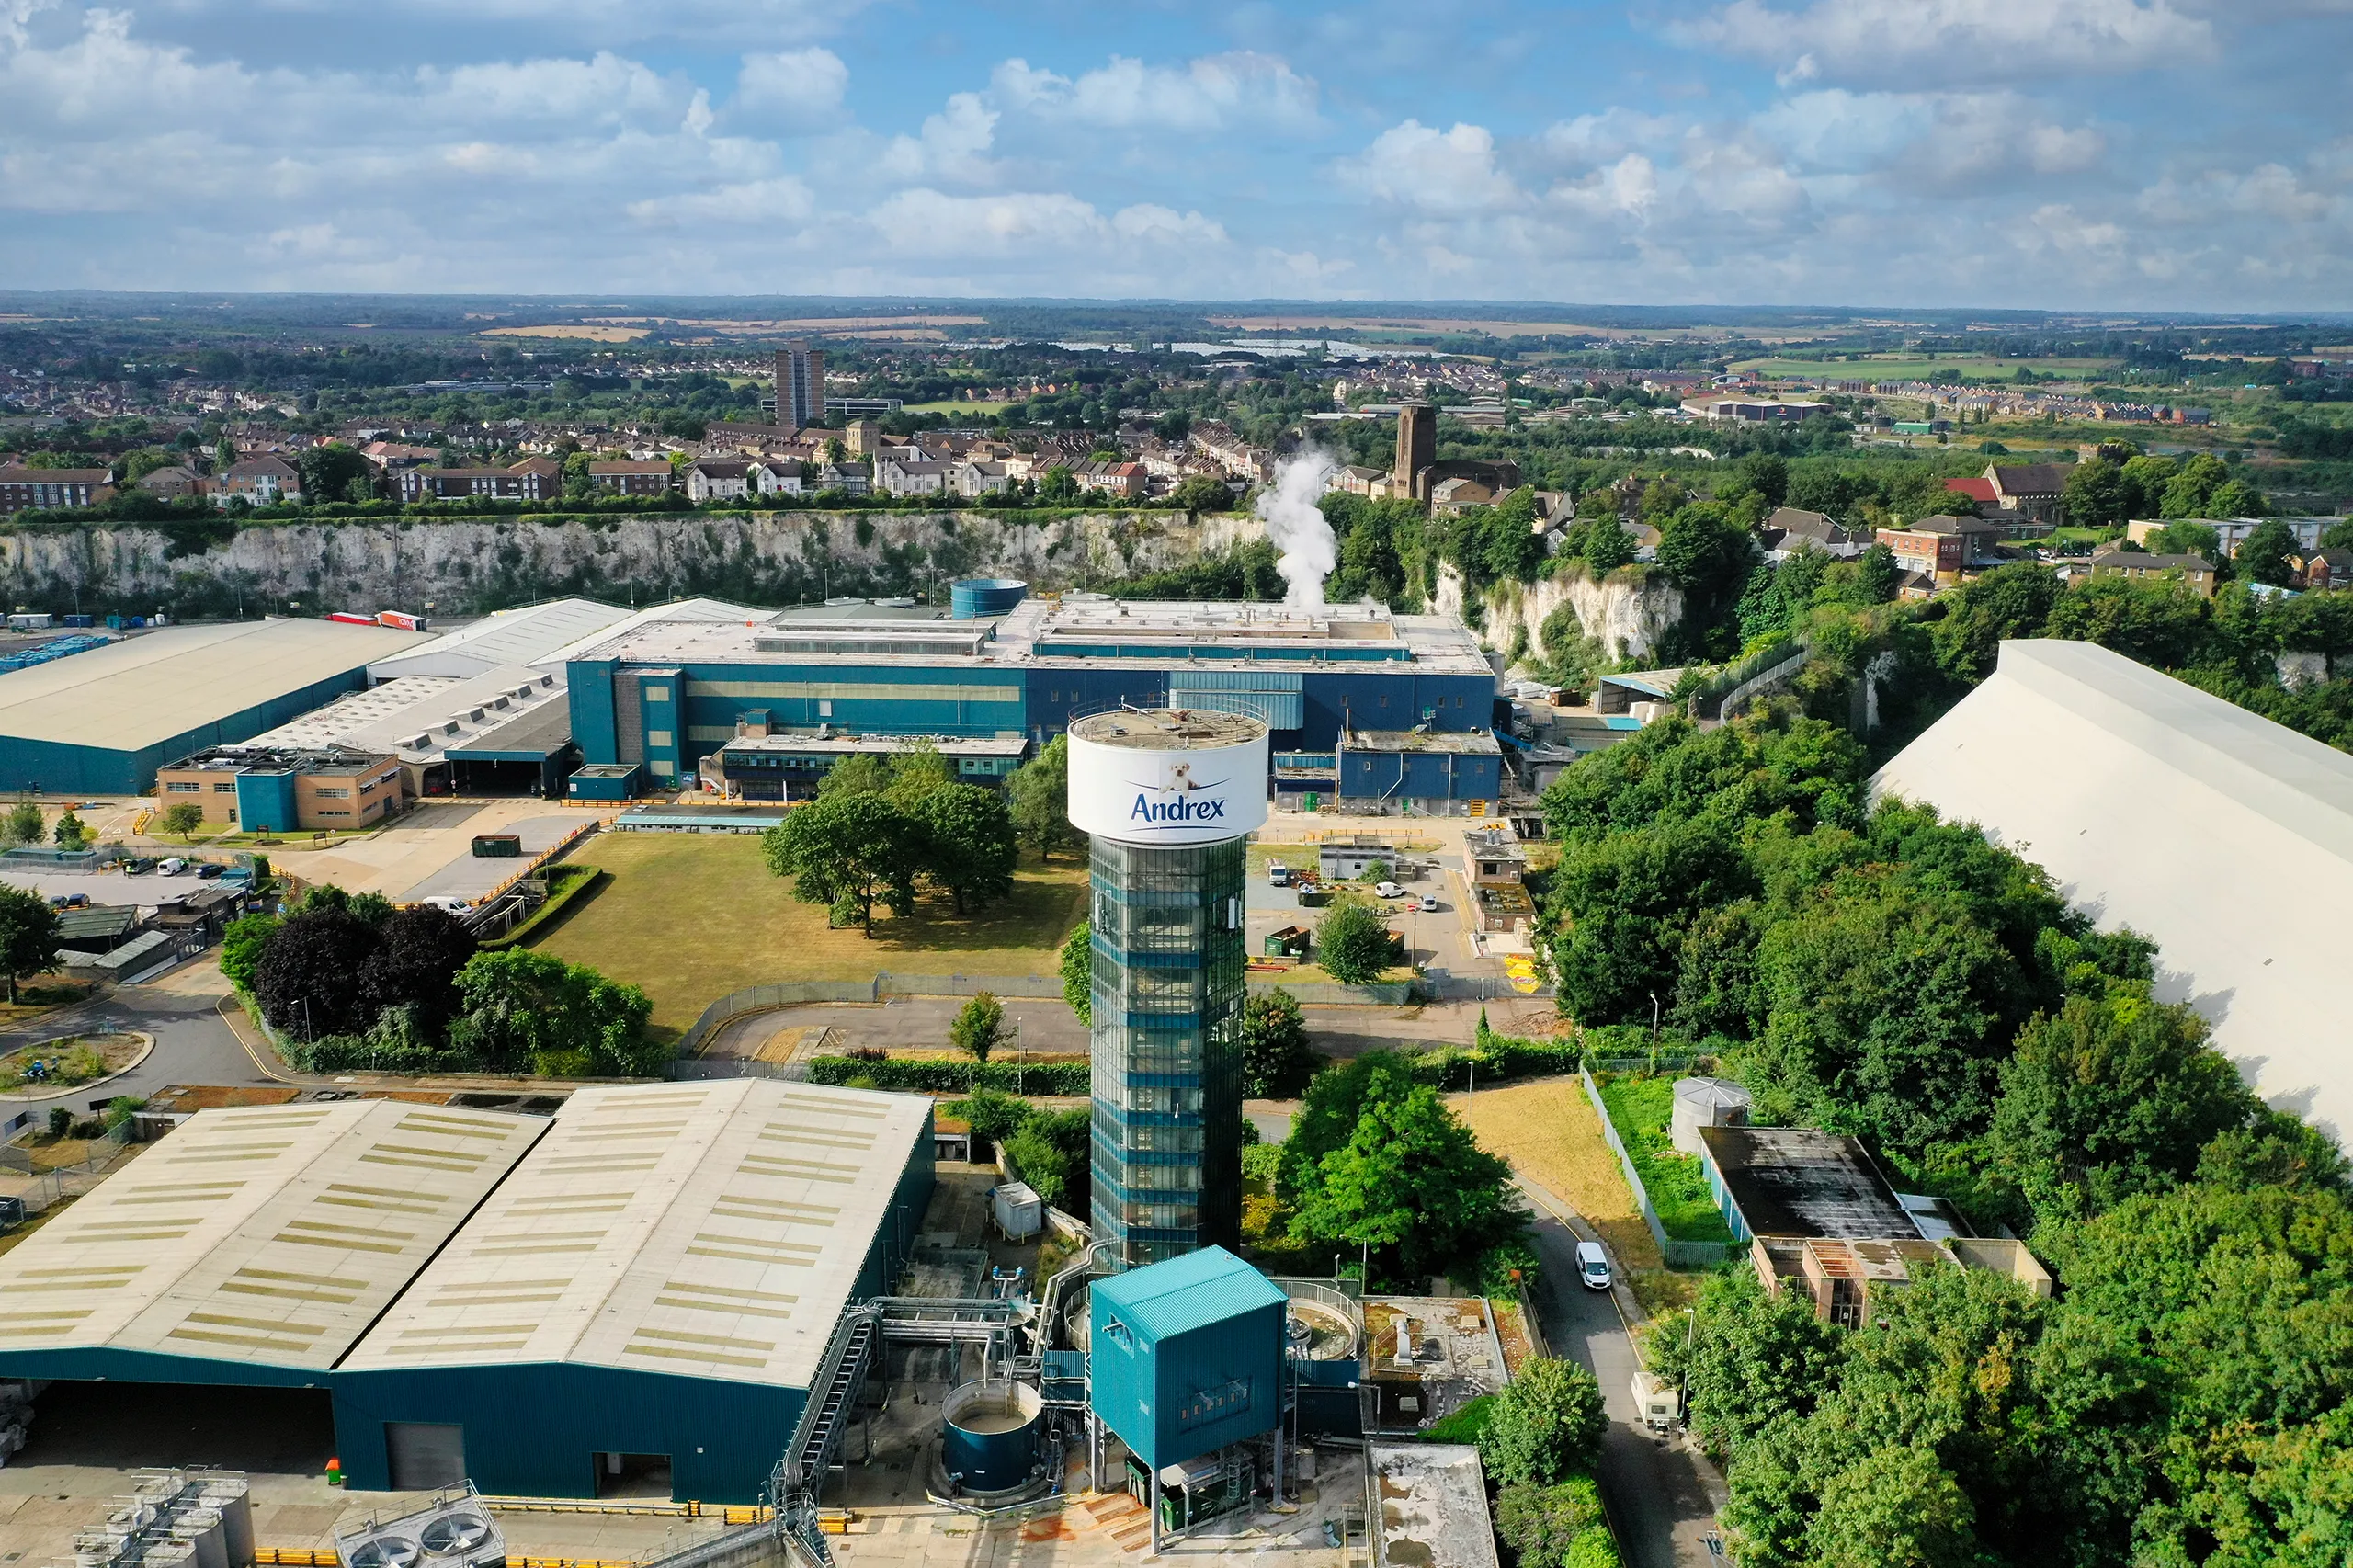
(193, 1043)
(1663, 1497)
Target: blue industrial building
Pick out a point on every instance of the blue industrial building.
(647, 1282)
(103, 722)
(665, 695)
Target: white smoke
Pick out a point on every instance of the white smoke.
(1295, 527)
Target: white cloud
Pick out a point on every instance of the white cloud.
(923, 221)
(1212, 93)
(1599, 138)
(799, 87)
(2268, 191)
(950, 146)
(1963, 40)
(1926, 141)
(764, 200)
(1421, 167)
(1629, 189)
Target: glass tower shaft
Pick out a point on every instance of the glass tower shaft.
(1166, 1080)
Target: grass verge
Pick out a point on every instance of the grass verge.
(1549, 1131)
(567, 884)
(1641, 1108)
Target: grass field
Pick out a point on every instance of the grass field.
(1549, 1131)
(693, 916)
(1913, 368)
(957, 405)
(1641, 1109)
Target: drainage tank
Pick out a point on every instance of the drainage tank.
(974, 598)
(990, 1437)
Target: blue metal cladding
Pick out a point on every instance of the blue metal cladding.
(265, 801)
(1053, 697)
(1186, 1357)
(590, 691)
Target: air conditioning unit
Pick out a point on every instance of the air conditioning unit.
(457, 1532)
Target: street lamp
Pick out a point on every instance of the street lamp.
(1654, 1032)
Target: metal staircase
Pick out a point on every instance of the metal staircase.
(841, 1378)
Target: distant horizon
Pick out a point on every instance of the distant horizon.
(2073, 157)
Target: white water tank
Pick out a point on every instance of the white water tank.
(226, 1496)
(1706, 1102)
(202, 1529)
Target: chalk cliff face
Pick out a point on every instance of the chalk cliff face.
(1628, 617)
(471, 566)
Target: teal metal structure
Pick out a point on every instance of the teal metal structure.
(1186, 1357)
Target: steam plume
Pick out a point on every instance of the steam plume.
(1295, 527)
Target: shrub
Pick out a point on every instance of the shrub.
(1542, 1523)
(60, 1120)
(1546, 1425)
(939, 1076)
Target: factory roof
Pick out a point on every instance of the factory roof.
(505, 637)
(1433, 1500)
(146, 689)
(635, 625)
(1796, 1181)
(2081, 759)
(1475, 741)
(423, 718)
(713, 1229)
(272, 1235)
(1194, 1291)
(846, 746)
(1071, 636)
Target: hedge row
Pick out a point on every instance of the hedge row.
(942, 1076)
(565, 883)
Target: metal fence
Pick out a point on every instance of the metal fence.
(1678, 1255)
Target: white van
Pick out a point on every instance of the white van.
(1593, 1267)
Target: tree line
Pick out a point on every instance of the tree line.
(2187, 1397)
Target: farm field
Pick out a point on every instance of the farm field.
(693, 916)
(1915, 368)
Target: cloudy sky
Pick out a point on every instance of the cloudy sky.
(2072, 154)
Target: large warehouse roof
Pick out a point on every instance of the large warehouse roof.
(2225, 836)
(424, 717)
(507, 637)
(711, 1229)
(147, 689)
(271, 1235)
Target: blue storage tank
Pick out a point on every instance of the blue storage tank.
(989, 1442)
(972, 598)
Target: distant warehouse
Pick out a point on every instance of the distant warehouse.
(102, 722)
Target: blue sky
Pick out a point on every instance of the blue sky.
(2067, 153)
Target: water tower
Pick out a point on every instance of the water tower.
(1168, 797)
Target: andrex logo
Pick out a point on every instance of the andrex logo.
(1183, 809)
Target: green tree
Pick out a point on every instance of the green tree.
(2008, 602)
(1542, 1523)
(2187, 537)
(224, 456)
(2190, 491)
(1747, 1359)
(2110, 1096)
(307, 978)
(1619, 907)
(183, 817)
(968, 842)
(848, 852)
(1039, 796)
(1413, 1185)
(1545, 1426)
(1275, 1059)
(327, 471)
(23, 823)
(1078, 969)
(1058, 487)
(72, 832)
(28, 935)
(2263, 555)
(981, 1027)
(419, 951)
(525, 1008)
(1200, 493)
(242, 945)
(2096, 493)
(1897, 1508)
(2237, 499)
(860, 773)
(1353, 942)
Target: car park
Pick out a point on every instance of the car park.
(1593, 1267)
(172, 868)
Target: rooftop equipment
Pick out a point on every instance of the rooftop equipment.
(1017, 1210)
(454, 1531)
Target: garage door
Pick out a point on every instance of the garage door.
(425, 1455)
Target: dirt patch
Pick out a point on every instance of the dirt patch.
(1511, 1328)
(63, 1063)
(1549, 1131)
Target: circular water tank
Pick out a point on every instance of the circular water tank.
(970, 599)
(1706, 1102)
(989, 1442)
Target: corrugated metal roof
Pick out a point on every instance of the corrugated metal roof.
(145, 689)
(272, 1235)
(507, 637)
(713, 1229)
(1196, 1290)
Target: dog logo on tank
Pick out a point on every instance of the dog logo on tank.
(1188, 807)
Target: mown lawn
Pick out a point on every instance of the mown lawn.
(1641, 1109)
(693, 916)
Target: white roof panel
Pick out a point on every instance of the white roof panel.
(272, 1235)
(505, 637)
(710, 1229)
(2225, 838)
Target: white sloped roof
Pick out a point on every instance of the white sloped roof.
(505, 637)
(271, 1235)
(2225, 838)
(703, 1229)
